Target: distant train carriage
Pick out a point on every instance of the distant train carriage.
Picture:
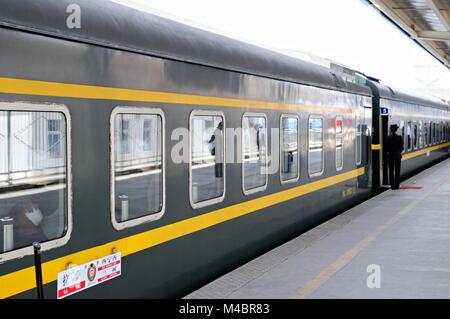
(115, 148)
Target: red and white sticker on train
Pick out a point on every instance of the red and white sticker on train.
(79, 278)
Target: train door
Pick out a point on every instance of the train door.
(363, 145)
(384, 125)
(367, 135)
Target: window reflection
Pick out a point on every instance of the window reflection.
(33, 165)
(289, 148)
(207, 156)
(358, 141)
(138, 166)
(255, 151)
(315, 156)
(339, 148)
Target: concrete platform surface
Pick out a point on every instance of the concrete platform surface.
(395, 245)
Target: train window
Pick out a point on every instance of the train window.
(444, 129)
(289, 148)
(438, 133)
(358, 141)
(447, 132)
(420, 133)
(425, 134)
(137, 161)
(430, 133)
(254, 143)
(408, 137)
(415, 135)
(34, 178)
(339, 147)
(433, 133)
(315, 142)
(207, 158)
(402, 130)
(438, 128)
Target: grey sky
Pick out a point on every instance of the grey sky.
(346, 31)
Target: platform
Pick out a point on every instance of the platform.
(395, 245)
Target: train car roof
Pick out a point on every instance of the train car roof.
(395, 94)
(113, 25)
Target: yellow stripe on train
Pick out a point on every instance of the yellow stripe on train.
(424, 151)
(42, 88)
(23, 280)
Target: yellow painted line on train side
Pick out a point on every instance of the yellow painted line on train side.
(23, 280)
(56, 89)
(424, 151)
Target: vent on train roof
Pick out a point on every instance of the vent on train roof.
(391, 90)
(337, 80)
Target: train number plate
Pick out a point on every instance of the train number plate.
(81, 277)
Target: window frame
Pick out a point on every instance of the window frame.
(292, 180)
(260, 188)
(146, 218)
(216, 200)
(62, 241)
(320, 117)
(337, 118)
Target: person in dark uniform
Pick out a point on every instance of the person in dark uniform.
(217, 150)
(394, 150)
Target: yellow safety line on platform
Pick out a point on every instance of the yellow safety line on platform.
(23, 280)
(348, 256)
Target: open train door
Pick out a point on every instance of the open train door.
(384, 131)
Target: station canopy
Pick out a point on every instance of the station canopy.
(426, 21)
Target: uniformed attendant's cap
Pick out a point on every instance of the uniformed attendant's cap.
(394, 127)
